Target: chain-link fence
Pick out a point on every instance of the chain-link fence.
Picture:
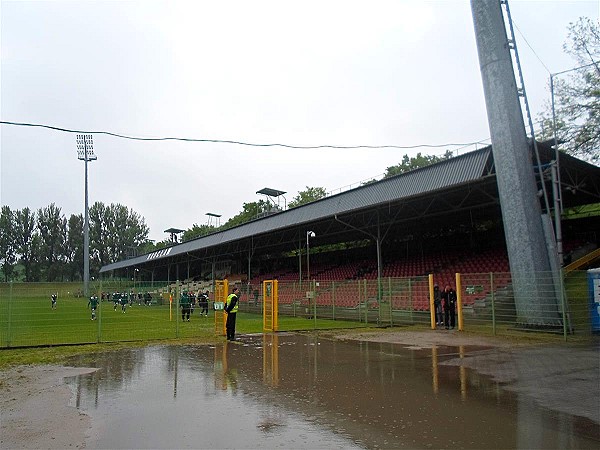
(127, 311)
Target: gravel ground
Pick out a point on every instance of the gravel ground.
(35, 410)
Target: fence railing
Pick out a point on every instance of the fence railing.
(487, 305)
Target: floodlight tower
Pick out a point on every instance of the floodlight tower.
(85, 152)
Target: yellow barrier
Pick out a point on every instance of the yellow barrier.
(583, 261)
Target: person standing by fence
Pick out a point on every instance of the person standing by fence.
(449, 297)
(231, 309)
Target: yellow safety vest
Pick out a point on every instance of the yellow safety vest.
(235, 307)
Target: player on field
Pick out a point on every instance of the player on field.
(93, 304)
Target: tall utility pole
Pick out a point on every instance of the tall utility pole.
(535, 296)
(85, 152)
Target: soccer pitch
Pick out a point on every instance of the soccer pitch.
(28, 319)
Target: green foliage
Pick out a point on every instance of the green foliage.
(577, 95)
(115, 232)
(197, 231)
(52, 227)
(250, 211)
(309, 195)
(50, 248)
(415, 162)
(27, 240)
(7, 244)
(74, 247)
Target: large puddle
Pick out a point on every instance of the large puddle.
(298, 391)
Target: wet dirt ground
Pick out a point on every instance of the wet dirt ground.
(302, 391)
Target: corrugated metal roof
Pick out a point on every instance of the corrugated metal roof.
(452, 172)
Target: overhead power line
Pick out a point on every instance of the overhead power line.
(227, 141)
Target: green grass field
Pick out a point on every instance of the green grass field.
(27, 319)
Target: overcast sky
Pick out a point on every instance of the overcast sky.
(295, 72)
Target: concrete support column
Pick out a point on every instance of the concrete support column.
(535, 298)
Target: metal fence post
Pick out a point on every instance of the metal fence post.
(359, 297)
(432, 312)
(99, 294)
(314, 289)
(390, 301)
(9, 331)
(410, 302)
(563, 304)
(459, 302)
(366, 303)
(177, 294)
(493, 290)
(333, 300)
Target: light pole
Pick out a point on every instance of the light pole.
(309, 234)
(85, 152)
(556, 182)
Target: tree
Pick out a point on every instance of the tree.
(577, 95)
(249, 212)
(52, 226)
(412, 163)
(74, 247)
(27, 242)
(311, 194)
(7, 243)
(197, 231)
(115, 231)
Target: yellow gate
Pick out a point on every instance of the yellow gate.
(270, 305)
(221, 292)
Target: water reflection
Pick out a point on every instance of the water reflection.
(302, 392)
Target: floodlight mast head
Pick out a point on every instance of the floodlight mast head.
(85, 147)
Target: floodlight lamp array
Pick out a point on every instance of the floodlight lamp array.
(85, 144)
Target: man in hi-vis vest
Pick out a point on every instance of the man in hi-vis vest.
(231, 308)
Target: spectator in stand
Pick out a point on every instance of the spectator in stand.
(449, 299)
(437, 303)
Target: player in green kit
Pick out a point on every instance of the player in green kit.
(185, 304)
(93, 304)
(124, 301)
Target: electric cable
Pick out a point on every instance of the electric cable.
(228, 141)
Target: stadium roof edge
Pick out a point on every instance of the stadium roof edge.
(466, 167)
(458, 171)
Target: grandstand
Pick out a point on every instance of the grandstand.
(440, 220)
